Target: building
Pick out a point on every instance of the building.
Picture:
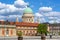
(54, 28)
(7, 28)
(27, 26)
(28, 15)
(28, 29)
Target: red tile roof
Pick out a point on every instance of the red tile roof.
(19, 23)
(26, 24)
(5, 22)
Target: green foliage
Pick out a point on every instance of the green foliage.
(19, 33)
(42, 28)
(59, 33)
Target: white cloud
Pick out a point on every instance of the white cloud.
(4, 8)
(2, 11)
(53, 18)
(45, 9)
(12, 10)
(20, 3)
(2, 18)
(8, 8)
(2, 5)
(50, 17)
(52, 21)
(16, 9)
(12, 16)
(58, 21)
(42, 20)
(38, 15)
(53, 14)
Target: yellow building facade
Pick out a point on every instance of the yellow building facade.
(7, 30)
(27, 29)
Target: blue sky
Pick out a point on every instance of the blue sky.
(55, 4)
(35, 4)
(46, 10)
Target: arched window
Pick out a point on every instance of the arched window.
(3, 32)
(11, 32)
(7, 32)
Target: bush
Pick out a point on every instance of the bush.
(19, 33)
(59, 33)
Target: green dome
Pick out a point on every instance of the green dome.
(28, 10)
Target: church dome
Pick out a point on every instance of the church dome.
(28, 10)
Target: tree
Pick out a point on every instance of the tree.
(19, 33)
(42, 29)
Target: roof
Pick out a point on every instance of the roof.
(28, 10)
(6, 23)
(26, 24)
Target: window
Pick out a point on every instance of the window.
(29, 19)
(30, 31)
(3, 31)
(7, 32)
(11, 32)
(27, 31)
(32, 19)
(24, 31)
